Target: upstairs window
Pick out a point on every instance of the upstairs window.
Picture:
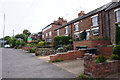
(66, 30)
(57, 32)
(95, 21)
(50, 33)
(76, 26)
(118, 16)
(46, 34)
(42, 36)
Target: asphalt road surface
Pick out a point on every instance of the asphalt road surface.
(18, 64)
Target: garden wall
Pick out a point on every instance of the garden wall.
(25, 48)
(67, 56)
(107, 51)
(99, 70)
(90, 43)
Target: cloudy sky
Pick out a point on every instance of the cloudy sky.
(36, 14)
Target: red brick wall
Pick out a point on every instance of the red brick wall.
(110, 24)
(90, 43)
(84, 24)
(107, 51)
(25, 48)
(67, 56)
(99, 70)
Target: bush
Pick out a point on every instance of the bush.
(32, 50)
(37, 53)
(57, 60)
(100, 59)
(62, 40)
(116, 50)
(115, 57)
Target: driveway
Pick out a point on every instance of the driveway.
(18, 64)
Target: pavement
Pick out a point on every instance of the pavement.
(74, 66)
(18, 64)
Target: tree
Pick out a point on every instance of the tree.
(117, 34)
(7, 39)
(19, 42)
(26, 32)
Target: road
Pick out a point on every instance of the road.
(18, 64)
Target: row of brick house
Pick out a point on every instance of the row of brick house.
(99, 22)
(48, 32)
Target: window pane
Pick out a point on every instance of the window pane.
(94, 21)
(76, 27)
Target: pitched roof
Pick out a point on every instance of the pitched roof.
(113, 6)
(87, 15)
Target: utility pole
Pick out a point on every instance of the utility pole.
(3, 30)
(13, 33)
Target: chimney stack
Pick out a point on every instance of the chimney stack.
(81, 13)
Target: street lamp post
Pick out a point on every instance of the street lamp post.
(3, 29)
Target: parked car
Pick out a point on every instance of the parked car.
(7, 46)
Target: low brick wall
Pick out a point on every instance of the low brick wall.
(99, 70)
(90, 43)
(67, 56)
(107, 51)
(25, 48)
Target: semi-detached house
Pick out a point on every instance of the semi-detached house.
(99, 22)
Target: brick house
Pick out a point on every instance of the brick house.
(97, 23)
(48, 31)
(35, 36)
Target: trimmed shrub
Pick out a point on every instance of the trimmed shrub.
(37, 53)
(62, 40)
(116, 50)
(32, 50)
(100, 59)
(115, 57)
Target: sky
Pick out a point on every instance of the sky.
(37, 14)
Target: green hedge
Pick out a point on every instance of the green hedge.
(62, 40)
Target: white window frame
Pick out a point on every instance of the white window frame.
(117, 17)
(58, 33)
(96, 22)
(46, 34)
(76, 27)
(43, 36)
(97, 28)
(66, 30)
(50, 33)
